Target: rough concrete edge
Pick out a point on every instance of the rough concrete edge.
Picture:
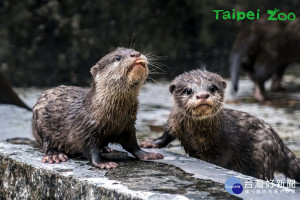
(76, 172)
(95, 181)
(23, 178)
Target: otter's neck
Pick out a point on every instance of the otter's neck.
(111, 98)
(205, 126)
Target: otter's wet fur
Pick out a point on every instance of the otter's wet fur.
(229, 138)
(73, 121)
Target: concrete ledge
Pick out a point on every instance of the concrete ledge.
(23, 176)
(22, 181)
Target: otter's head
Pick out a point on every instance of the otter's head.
(198, 93)
(123, 67)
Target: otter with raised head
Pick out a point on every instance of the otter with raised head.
(229, 138)
(73, 121)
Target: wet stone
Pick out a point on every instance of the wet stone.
(162, 178)
(64, 170)
(25, 177)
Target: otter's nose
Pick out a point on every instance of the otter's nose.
(135, 54)
(202, 96)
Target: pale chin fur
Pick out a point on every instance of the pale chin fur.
(204, 117)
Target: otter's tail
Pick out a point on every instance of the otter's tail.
(240, 48)
(8, 96)
(290, 165)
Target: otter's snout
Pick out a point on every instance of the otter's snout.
(137, 71)
(203, 95)
(135, 54)
(139, 59)
(201, 104)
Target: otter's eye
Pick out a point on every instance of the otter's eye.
(212, 88)
(118, 58)
(188, 91)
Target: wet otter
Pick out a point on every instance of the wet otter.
(264, 49)
(225, 137)
(74, 121)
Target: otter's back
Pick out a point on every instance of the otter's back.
(52, 107)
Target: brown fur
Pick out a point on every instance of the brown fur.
(225, 137)
(77, 121)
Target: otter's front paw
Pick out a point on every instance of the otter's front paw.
(106, 165)
(150, 144)
(152, 156)
(142, 155)
(54, 157)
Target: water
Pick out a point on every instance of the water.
(283, 112)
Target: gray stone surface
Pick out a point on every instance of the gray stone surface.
(24, 176)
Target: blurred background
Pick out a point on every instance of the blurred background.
(51, 42)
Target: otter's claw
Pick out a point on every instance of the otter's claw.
(55, 157)
(152, 156)
(106, 165)
(143, 155)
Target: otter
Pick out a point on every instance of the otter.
(264, 49)
(229, 138)
(73, 121)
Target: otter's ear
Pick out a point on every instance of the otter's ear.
(172, 88)
(94, 70)
(223, 84)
